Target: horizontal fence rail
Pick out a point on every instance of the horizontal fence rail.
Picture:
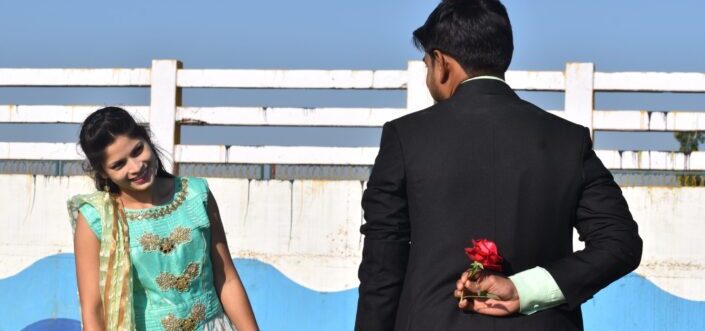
(612, 120)
(271, 116)
(649, 82)
(293, 79)
(308, 155)
(61, 114)
(635, 120)
(276, 155)
(165, 114)
(75, 77)
(288, 172)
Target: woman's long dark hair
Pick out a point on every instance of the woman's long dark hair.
(99, 130)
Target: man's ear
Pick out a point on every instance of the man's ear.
(442, 65)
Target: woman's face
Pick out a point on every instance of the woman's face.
(130, 163)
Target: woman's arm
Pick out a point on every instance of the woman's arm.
(87, 251)
(227, 282)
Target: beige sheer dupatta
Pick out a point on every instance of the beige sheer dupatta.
(115, 268)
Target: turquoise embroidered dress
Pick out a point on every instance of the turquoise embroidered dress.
(172, 277)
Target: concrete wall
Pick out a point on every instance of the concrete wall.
(297, 243)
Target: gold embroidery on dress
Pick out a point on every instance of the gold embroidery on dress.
(173, 323)
(162, 211)
(167, 281)
(166, 245)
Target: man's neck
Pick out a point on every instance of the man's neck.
(476, 77)
(461, 77)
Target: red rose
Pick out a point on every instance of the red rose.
(485, 252)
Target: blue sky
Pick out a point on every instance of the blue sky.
(625, 35)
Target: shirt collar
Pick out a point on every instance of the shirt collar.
(484, 77)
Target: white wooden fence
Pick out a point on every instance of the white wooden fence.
(165, 79)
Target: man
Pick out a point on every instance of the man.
(482, 163)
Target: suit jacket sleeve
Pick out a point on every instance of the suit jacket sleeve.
(387, 234)
(612, 243)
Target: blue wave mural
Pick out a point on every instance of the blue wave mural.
(635, 303)
(45, 290)
(55, 324)
(43, 297)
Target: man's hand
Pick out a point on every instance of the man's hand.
(507, 302)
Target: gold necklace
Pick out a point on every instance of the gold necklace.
(160, 211)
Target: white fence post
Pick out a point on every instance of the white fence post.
(579, 93)
(165, 96)
(417, 95)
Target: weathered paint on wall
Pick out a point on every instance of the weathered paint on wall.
(297, 243)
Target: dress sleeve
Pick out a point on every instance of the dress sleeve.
(92, 218)
(198, 187)
(197, 201)
(205, 191)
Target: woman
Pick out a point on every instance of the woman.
(150, 248)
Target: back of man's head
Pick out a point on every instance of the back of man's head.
(476, 33)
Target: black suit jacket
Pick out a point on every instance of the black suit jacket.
(486, 164)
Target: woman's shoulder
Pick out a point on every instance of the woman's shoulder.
(195, 184)
(78, 200)
(87, 205)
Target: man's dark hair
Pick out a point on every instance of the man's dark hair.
(476, 33)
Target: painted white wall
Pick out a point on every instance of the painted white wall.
(308, 229)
